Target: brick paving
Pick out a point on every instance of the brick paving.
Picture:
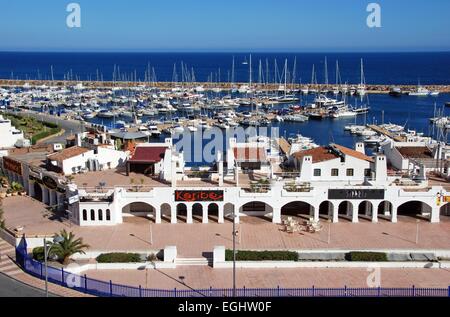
(203, 277)
(192, 240)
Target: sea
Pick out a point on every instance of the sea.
(379, 68)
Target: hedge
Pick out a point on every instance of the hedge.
(261, 255)
(44, 134)
(366, 257)
(38, 254)
(119, 258)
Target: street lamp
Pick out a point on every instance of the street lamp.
(56, 239)
(234, 253)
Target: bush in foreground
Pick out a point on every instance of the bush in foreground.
(261, 255)
(119, 258)
(366, 257)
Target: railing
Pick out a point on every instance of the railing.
(95, 287)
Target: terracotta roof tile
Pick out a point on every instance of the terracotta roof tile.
(320, 154)
(67, 153)
(353, 153)
(415, 152)
(151, 154)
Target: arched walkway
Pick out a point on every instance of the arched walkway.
(345, 210)
(166, 213)
(298, 209)
(197, 212)
(213, 212)
(365, 210)
(385, 209)
(182, 212)
(326, 210)
(38, 195)
(139, 209)
(414, 209)
(257, 209)
(445, 210)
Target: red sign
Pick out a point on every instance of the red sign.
(198, 195)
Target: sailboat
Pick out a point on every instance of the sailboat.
(420, 91)
(245, 61)
(361, 89)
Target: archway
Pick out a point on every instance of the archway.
(257, 209)
(166, 213)
(345, 210)
(213, 212)
(385, 209)
(38, 194)
(326, 210)
(365, 210)
(445, 210)
(182, 212)
(298, 209)
(197, 212)
(139, 209)
(414, 209)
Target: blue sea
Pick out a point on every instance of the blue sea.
(380, 68)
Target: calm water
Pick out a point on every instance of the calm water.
(380, 68)
(411, 112)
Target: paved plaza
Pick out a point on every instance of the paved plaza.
(192, 240)
(203, 277)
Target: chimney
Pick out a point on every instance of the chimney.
(380, 169)
(78, 139)
(359, 147)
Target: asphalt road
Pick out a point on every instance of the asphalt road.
(12, 288)
(70, 127)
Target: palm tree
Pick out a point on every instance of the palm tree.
(68, 246)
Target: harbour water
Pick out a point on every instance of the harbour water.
(413, 113)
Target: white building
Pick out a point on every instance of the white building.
(336, 164)
(9, 134)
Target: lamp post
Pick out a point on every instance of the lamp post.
(56, 239)
(234, 253)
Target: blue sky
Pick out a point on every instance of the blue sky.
(225, 25)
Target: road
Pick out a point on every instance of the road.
(12, 288)
(70, 126)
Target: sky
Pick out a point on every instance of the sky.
(225, 25)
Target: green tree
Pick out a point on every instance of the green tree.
(68, 246)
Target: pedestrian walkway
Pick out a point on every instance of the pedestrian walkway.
(10, 269)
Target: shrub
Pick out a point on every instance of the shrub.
(366, 257)
(38, 254)
(261, 255)
(119, 258)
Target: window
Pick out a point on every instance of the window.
(100, 214)
(84, 215)
(367, 172)
(317, 172)
(350, 172)
(92, 214)
(334, 172)
(108, 215)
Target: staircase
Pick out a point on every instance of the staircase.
(193, 261)
(7, 266)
